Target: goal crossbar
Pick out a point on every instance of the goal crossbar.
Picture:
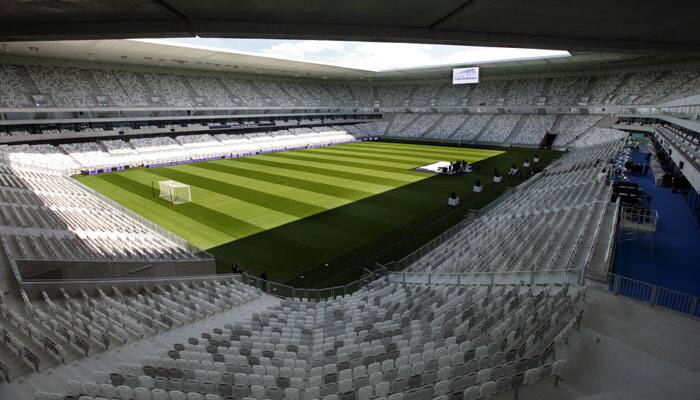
(174, 192)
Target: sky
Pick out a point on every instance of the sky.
(369, 56)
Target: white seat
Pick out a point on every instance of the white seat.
(558, 367)
(471, 393)
(75, 388)
(365, 393)
(442, 387)
(125, 392)
(159, 394)
(532, 375)
(312, 393)
(483, 376)
(291, 394)
(487, 389)
(257, 391)
(141, 393)
(382, 389)
(177, 395)
(108, 391)
(345, 386)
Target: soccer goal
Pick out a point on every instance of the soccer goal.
(175, 192)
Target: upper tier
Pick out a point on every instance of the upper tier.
(28, 86)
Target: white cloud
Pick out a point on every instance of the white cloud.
(298, 50)
(369, 55)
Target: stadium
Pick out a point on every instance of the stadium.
(184, 216)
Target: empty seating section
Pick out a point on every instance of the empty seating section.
(671, 84)
(598, 135)
(47, 216)
(447, 127)
(420, 126)
(499, 128)
(634, 86)
(425, 95)
(12, 89)
(566, 91)
(400, 123)
(473, 126)
(170, 88)
(453, 95)
(394, 95)
(274, 92)
(124, 88)
(72, 158)
(603, 90)
(487, 93)
(524, 92)
(409, 341)
(562, 210)
(66, 86)
(246, 91)
(534, 129)
(214, 91)
(65, 327)
(570, 127)
(79, 86)
(687, 142)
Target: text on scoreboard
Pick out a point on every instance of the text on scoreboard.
(461, 76)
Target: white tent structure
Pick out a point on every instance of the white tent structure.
(175, 192)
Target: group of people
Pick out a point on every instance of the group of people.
(457, 167)
(528, 169)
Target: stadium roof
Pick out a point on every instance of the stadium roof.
(149, 53)
(592, 25)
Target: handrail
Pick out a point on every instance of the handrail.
(654, 295)
(561, 276)
(313, 294)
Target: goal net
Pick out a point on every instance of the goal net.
(175, 192)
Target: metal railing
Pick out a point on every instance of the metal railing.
(654, 295)
(639, 219)
(487, 278)
(320, 294)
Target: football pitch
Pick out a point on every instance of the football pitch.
(315, 217)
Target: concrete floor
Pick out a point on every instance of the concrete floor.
(626, 350)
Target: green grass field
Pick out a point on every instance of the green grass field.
(292, 213)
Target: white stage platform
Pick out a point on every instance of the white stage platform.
(434, 167)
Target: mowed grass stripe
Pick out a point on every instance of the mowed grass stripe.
(404, 162)
(208, 227)
(422, 155)
(195, 177)
(306, 184)
(378, 215)
(282, 204)
(262, 217)
(397, 147)
(354, 160)
(281, 170)
(238, 228)
(367, 170)
(410, 176)
(324, 169)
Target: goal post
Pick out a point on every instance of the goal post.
(174, 192)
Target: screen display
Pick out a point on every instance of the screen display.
(461, 76)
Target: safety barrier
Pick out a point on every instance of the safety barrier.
(654, 295)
